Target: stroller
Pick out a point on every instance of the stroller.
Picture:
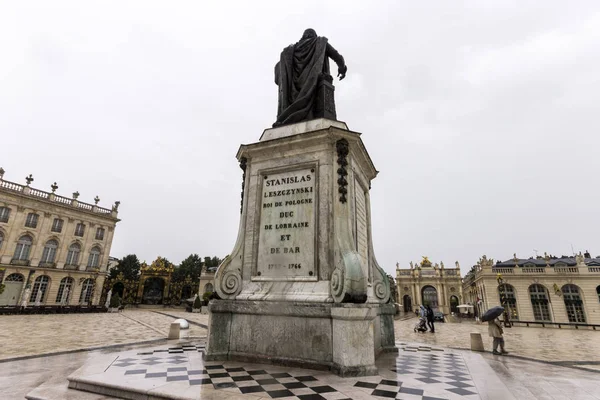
(421, 325)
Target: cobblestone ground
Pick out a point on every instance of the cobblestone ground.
(42, 334)
(24, 335)
(545, 344)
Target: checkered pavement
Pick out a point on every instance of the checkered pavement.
(273, 384)
(421, 373)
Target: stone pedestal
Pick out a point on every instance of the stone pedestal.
(302, 285)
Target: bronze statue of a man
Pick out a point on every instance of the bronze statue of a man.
(302, 74)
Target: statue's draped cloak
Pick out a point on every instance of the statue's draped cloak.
(297, 75)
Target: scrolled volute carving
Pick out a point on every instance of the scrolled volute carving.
(228, 280)
(348, 284)
(381, 284)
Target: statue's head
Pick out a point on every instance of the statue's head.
(309, 34)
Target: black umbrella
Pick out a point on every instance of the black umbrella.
(492, 313)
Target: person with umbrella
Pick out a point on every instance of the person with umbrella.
(495, 328)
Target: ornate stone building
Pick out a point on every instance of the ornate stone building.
(53, 245)
(543, 289)
(425, 283)
(207, 280)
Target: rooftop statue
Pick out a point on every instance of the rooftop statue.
(302, 74)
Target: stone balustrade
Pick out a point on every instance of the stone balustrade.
(540, 270)
(40, 194)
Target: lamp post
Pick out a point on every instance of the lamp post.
(94, 275)
(503, 300)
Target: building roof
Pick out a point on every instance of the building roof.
(541, 262)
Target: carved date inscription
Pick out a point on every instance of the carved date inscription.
(287, 225)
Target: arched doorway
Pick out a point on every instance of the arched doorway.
(87, 289)
(573, 303)
(153, 291)
(41, 284)
(12, 290)
(208, 288)
(430, 297)
(118, 288)
(407, 303)
(64, 291)
(539, 302)
(454, 304)
(186, 292)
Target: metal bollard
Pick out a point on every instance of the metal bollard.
(476, 342)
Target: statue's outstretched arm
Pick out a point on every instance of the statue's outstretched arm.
(339, 60)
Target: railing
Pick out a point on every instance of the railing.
(71, 267)
(85, 206)
(536, 270)
(557, 324)
(19, 262)
(39, 193)
(61, 199)
(405, 272)
(45, 264)
(566, 270)
(503, 270)
(556, 270)
(15, 187)
(11, 186)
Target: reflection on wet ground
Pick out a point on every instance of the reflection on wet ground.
(544, 344)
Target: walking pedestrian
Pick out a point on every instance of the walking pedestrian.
(430, 319)
(495, 331)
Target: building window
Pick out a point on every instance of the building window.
(429, 296)
(1, 239)
(4, 214)
(79, 229)
(598, 292)
(49, 254)
(57, 225)
(40, 285)
(539, 302)
(508, 300)
(100, 234)
(573, 303)
(23, 248)
(86, 291)
(64, 291)
(94, 258)
(14, 278)
(32, 220)
(73, 254)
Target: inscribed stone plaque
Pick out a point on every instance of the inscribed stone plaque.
(362, 244)
(286, 248)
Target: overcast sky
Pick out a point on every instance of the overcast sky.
(482, 117)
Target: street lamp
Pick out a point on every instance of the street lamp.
(503, 299)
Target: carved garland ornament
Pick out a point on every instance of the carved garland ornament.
(243, 162)
(342, 151)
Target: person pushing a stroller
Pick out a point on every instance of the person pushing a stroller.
(421, 326)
